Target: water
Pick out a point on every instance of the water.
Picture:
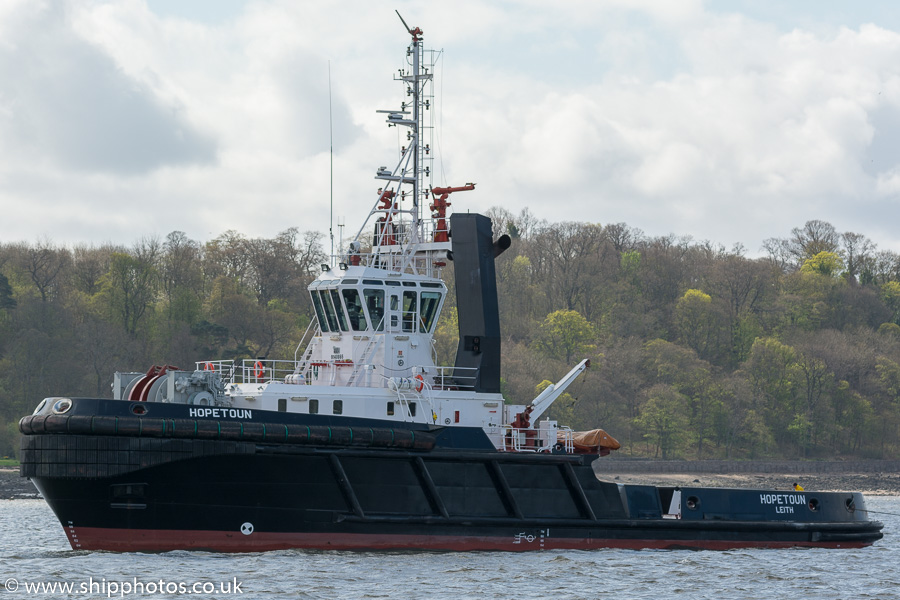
(33, 549)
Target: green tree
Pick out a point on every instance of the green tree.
(670, 364)
(565, 333)
(815, 382)
(663, 420)
(7, 301)
(697, 322)
(446, 336)
(747, 288)
(630, 264)
(890, 293)
(889, 377)
(129, 288)
(829, 264)
(774, 378)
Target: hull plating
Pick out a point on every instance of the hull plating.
(167, 494)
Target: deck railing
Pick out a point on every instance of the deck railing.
(296, 372)
(516, 439)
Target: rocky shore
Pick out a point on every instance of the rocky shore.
(12, 486)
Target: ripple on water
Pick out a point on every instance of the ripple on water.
(34, 548)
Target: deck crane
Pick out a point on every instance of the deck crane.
(546, 398)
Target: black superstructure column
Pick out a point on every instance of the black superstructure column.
(476, 300)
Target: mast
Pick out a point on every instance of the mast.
(416, 80)
(404, 237)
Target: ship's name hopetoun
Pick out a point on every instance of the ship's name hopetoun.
(782, 499)
(221, 413)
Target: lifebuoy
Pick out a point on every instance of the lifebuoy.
(420, 383)
(208, 366)
(259, 369)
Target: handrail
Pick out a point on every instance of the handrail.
(419, 259)
(515, 439)
(313, 321)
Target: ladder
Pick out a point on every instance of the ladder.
(361, 362)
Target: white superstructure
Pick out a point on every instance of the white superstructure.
(369, 351)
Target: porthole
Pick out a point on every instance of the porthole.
(40, 406)
(850, 505)
(692, 502)
(814, 504)
(139, 409)
(61, 406)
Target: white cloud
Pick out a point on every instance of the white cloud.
(118, 122)
(65, 102)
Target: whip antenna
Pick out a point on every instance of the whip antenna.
(330, 168)
(402, 21)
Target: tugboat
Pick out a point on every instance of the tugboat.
(362, 441)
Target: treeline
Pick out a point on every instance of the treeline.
(701, 351)
(70, 317)
(698, 351)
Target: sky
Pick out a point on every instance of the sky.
(729, 121)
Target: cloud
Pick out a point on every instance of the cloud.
(120, 122)
(757, 132)
(64, 100)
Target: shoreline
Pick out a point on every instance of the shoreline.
(870, 484)
(871, 477)
(14, 487)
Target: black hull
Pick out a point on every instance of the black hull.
(126, 492)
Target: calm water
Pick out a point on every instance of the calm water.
(33, 549)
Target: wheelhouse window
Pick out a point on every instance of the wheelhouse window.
(329, 310)
(375, 306)
(430, 303)
(339, 309)
(355, 310)
(320, 314)
(409, 311)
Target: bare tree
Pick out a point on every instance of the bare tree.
(857, 251)
(43, 262)
(814, 237)
(89, 266)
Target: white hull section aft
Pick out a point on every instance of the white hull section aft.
(451, 408)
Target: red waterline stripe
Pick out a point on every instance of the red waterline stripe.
(161, 540)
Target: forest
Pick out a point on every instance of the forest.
(698, 351)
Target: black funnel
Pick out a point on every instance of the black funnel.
(478, 354)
